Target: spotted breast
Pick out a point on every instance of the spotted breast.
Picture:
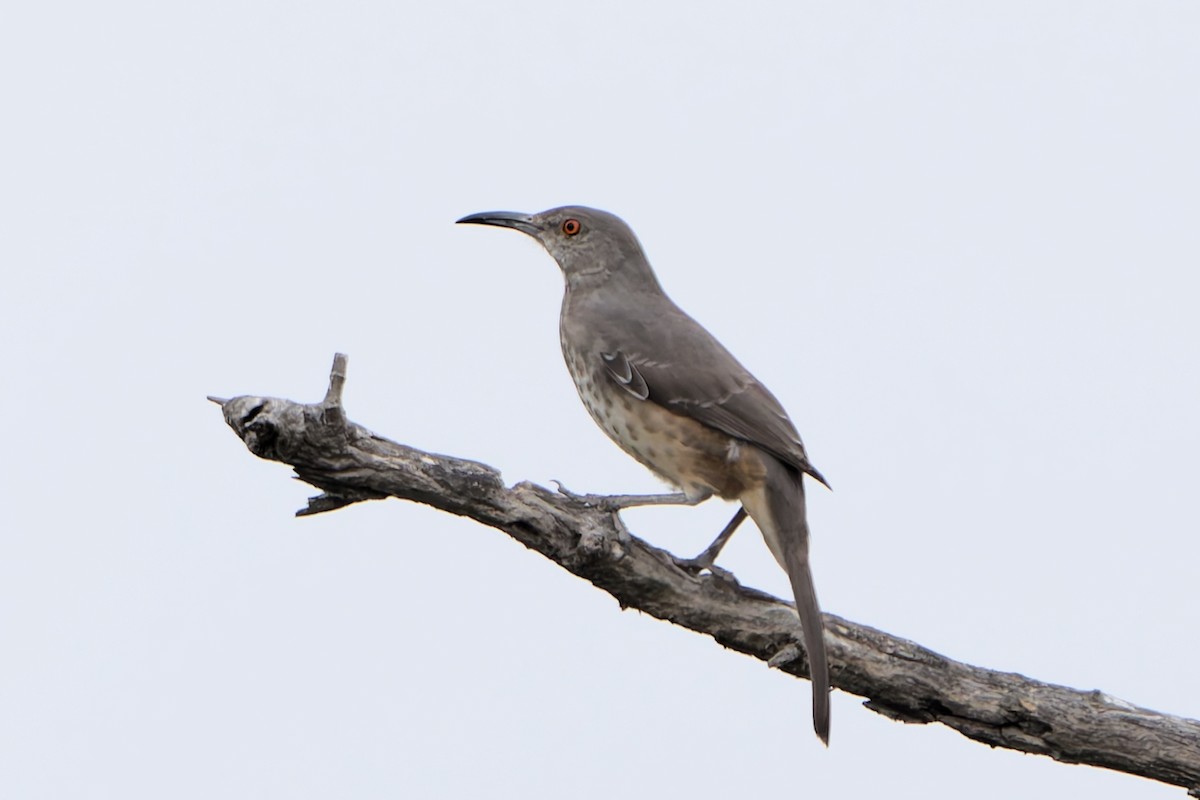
(698, 459)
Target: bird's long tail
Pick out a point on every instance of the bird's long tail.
(780, 512)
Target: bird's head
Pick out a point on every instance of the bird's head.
(592, 247)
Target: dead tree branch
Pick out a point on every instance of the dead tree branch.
(898, 678)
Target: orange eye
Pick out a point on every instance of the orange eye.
(571, 227)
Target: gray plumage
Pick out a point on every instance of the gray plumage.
(669, 394)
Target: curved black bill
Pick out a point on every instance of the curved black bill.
(502, 219)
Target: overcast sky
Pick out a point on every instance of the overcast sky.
(958, 240)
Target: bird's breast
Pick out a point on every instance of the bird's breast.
(698, 459)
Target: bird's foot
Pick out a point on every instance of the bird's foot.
(708, 559)
(616, 502)
(702, 563)
(601, 501)
(623, 534)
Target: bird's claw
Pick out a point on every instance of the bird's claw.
(623, 534)
(600, 501)
(700, 564)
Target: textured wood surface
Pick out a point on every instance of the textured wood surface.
(898, 678)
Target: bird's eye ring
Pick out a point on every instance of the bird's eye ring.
(571, 226)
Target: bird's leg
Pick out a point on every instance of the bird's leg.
(707, 559)
(616, 502)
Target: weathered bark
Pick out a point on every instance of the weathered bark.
(899, 678)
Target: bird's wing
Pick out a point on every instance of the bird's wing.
(713, 388)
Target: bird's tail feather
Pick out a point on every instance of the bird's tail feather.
(786, 531)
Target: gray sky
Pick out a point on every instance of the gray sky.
(959, 241)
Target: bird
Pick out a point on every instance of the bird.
(669, 394)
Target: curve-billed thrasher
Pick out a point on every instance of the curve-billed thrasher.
(666, 391)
